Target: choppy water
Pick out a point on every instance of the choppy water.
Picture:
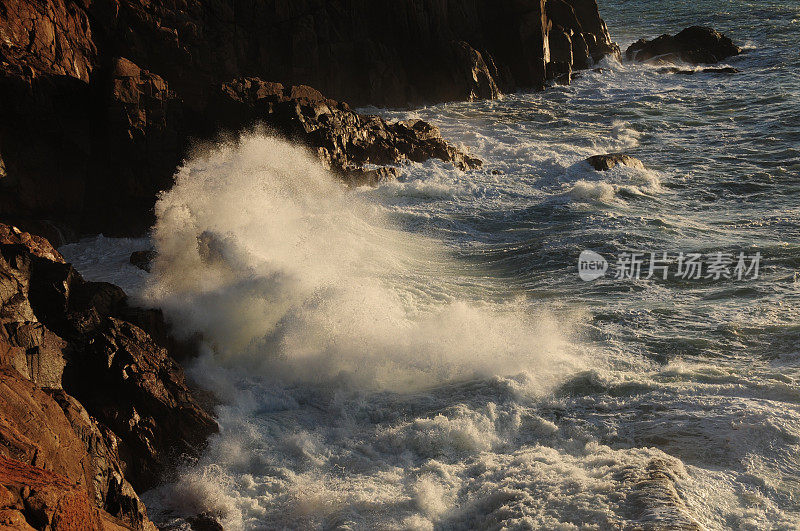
(424, 355)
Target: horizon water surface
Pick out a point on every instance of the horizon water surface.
(424, 355)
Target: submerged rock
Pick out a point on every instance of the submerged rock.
(690, 72)
(143, 259)
(611, 160)
(695, 45)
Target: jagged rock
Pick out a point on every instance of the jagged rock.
(384, 53)
(343, 139)
(146, 139)
(112, 490)
(696, 45)
(143, 259)
(35, 432)
(34, 351)
(52, 37)
(132, 386)
(479, 79)
(39, 499)
(607, 162)
(116, 403)
(100, 101)
(37, 245)
(578, 38)
(589, 38)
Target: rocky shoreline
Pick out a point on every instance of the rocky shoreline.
(90, 399)
(100, 102)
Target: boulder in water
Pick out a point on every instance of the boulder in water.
(611, 160)
(143, 259)
(695, 45)
(690, 72)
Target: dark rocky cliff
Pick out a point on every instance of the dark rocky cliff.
(90, 398)
(99, 100)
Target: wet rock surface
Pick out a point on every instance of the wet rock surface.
(143, 259)
(611, 160)
(694, 45)
(86, 394)
(344, 140)
(100, 102)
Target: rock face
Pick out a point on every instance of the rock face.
(85, 394)
(607, 162)
(100, 101)
(695, 45)
(363, 51)
(34, 498)
(578, 37)
(344, 140)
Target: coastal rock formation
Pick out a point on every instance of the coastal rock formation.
(86, 394)
(101, 101)
(611, 160)
(343, 139)
(695, 45)
(361, 51)
(143, 259)
(34, 498)
(578, 37)
(54, 448)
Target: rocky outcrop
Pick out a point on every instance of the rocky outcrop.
(37, 245)
(578, 37)
(361, 51)
(609, 161)
(33, 498)
(85, 393)
(143, 259)
(344, 140)
(100, 101)
(695, 45)
(68, 448)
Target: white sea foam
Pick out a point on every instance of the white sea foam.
(370, 380)
(284, 272)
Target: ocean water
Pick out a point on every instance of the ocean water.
(424, 355)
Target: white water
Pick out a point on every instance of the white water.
(422, 355)
(337, 343)
(299, 281)
(370, 379)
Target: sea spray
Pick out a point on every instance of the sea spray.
(284, 271)
(316, 311)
